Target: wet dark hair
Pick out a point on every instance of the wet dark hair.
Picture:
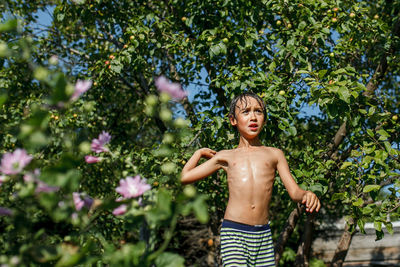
(242, 98)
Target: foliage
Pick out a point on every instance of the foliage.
(295, 54)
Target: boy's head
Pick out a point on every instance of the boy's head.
(242, 99)
(247, 114)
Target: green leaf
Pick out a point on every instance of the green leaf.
(346, 164)
(9, 25)
(116, 68)
(344, 94)
(358, 202)
(215, 50)
(59, 85)
(360, 224)
(318, 189)
(162, 210)
(322, 73)
(383, 134)
(168, 259)
(338, 196)
(3, 99)
(292, 130)
(379, 235)
(389, 227)
(378, 225)
(371, 111)
(367, 210)
(370, 187)
(200, 210)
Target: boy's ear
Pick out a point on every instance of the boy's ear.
(233, 121)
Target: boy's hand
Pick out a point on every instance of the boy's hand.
(206, 152)
(311, 201)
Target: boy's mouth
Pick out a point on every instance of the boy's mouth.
(253, 126)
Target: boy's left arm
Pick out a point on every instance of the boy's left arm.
(308, 198)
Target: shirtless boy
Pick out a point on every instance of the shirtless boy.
(245, 234)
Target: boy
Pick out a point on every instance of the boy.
(245, 233)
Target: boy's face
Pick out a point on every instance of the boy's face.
(249, 118)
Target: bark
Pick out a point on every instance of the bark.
(303, 251)
(287, 231)
(337, 140)
(343, 246)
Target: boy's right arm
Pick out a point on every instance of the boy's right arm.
(191, 173)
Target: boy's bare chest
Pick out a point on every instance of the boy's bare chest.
(251, 164)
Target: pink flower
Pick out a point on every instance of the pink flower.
(120, 210)
(80, 203)
(173, 89)
(98, 144)
(13, 163)
(5, 212)
(132, 187)
(80, 88)
(32, 177)
(42, 187)
(92, 159)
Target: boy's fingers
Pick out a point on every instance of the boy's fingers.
(318, 206)
(314, 206)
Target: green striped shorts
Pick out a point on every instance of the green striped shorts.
(246, 245)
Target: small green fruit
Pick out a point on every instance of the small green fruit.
(40, 73)
(164, 97)
(168, 168)
(278, 22)
(151, 100)
(180, 123)
(395, 117)
(3, 49)
(282, 92)
(189, 191)
(84, 147)
(166, 114)
(352, 15)
(168, 138)
(225, 40)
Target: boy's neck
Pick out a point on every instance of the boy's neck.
(247, 143)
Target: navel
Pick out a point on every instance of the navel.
(253, 207)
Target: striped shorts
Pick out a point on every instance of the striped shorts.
(246, 245)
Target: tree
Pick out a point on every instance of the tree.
(341, 57)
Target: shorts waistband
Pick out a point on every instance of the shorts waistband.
(245, 227)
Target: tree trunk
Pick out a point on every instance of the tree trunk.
(303, 251)
(343, 246)
(287, 231)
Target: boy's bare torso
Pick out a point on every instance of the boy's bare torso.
(251, 175)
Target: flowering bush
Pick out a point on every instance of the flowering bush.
(61, 205)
